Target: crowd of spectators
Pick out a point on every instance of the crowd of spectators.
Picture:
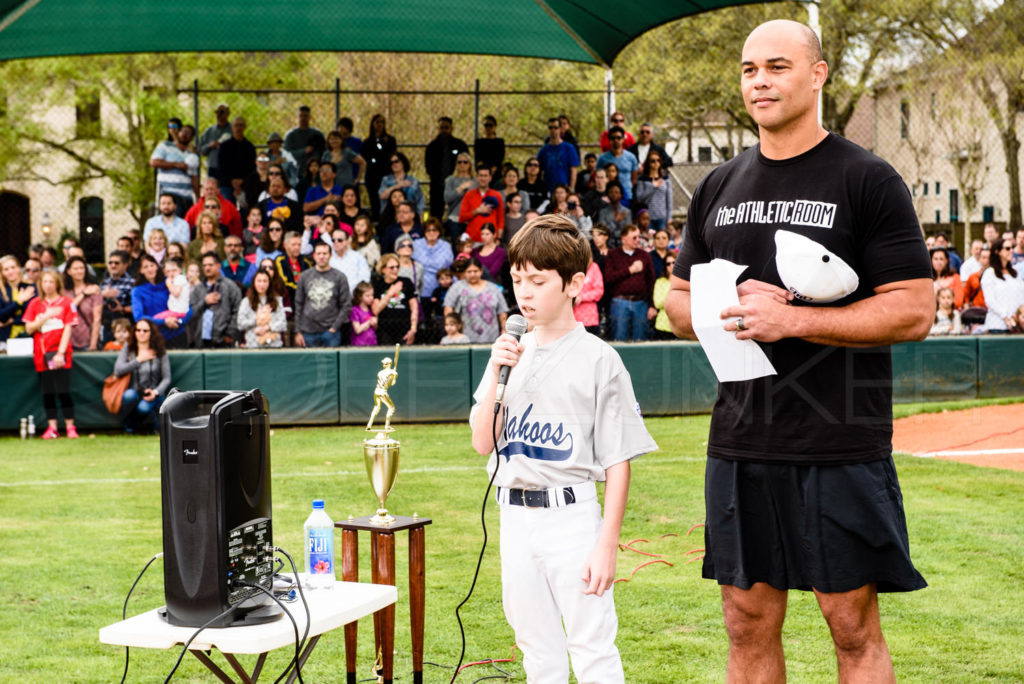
(328, 240)
(983, 294)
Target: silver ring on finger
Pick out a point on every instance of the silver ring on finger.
(740, 325)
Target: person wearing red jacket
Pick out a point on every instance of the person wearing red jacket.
(48, 318)
(482, 205)
(616, 119)
(229, 215)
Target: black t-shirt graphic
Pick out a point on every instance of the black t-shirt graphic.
(826, 404)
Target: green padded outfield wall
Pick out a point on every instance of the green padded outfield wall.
(328, 387)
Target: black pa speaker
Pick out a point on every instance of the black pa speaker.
(215, 488)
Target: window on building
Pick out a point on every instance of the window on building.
(954, 205)
(924, 186)
(938, 190)
(904, 119)
(87, 114)
(938, 216)
(725, 152)
(988, 213)
(703, 154)
(90, 228)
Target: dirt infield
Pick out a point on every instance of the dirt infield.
(990, 436)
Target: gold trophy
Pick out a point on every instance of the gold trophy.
(381, 452)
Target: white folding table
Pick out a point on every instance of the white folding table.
(329, 609)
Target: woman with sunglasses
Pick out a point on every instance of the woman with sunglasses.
(272, 241)
(33, 268)
(533, 184)
(662, 328)
(400, 178)
(455, 186)
(654, 190)
(145, 358)
(394, 304)
(1003, 289)
(378, 149)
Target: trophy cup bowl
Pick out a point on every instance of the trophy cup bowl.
(381, 456)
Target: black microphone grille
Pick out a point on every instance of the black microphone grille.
(515, 326)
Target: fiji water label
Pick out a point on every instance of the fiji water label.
(321, 552)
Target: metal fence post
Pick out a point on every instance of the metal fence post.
(195, 104)
(337, 102)
(476, 115)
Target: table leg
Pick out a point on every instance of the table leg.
(386, 575)
(350, 573)
(212, 667)
(417, 590)
(237, 666)
(259, 666)
(375, 578)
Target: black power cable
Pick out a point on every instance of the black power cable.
(124, 611)
(188, 643)
(305, 634)
(295, 627)
(483, 547)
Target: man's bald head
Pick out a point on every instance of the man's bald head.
(796, 31)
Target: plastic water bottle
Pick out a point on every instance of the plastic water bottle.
(31, 426)
(319, 536)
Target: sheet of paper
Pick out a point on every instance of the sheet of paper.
(712, 289)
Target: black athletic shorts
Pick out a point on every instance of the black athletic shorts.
(832, 528)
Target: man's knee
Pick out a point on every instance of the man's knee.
(852, 618)
(753, 616)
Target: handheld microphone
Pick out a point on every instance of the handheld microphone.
(514, 326)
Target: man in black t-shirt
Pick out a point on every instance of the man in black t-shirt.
(801, 491)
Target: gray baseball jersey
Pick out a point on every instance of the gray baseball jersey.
(569, 414)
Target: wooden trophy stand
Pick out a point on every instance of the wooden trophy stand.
(382, 565)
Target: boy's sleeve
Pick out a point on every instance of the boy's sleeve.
(619, 430)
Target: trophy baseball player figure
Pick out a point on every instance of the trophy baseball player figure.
(387, 377)
(381, 452)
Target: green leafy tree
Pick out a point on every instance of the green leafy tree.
(989, 43)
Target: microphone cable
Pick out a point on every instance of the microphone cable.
(124, 611)
(483, 547)
(295, 627)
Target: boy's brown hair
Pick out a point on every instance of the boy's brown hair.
(121, 323)
(551, 243)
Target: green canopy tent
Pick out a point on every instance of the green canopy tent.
(593, 31)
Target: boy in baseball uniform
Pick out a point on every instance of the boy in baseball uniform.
(569, 418)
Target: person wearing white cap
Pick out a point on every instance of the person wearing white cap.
(800, 487)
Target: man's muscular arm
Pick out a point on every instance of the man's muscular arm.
(900, 311)
(677, 306)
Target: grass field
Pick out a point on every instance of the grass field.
(79, 519)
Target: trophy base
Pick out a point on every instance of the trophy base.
(383, 518)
